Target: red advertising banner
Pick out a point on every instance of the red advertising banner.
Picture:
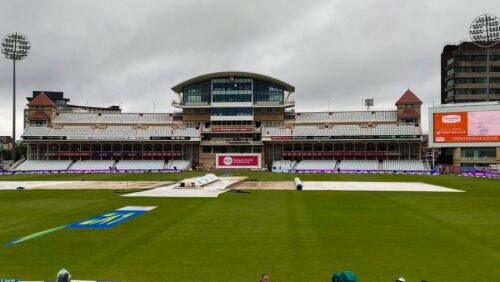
(251, 161)
(125, 154)
(281, 137)
(466, 127)
(334, 154)
(232, 129)
(161, 154)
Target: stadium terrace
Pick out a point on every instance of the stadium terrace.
(225, 120)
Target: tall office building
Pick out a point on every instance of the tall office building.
(465, 71)
(465, 125)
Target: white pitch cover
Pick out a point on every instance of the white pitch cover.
(137, 208)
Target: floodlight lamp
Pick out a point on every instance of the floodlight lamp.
(483, 29)
(15, 46)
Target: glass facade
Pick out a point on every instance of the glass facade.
(469, 91)
(470, 69)
(264, 91)
(233, 90)
(197, 93)
(469, 80)
(478, 153)
(232, 111)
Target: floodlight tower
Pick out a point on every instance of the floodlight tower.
(484, 31)
(15, 47)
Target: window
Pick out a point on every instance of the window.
(267, 92)
(197, 93)
(470, 91)
(470, 69)
(232, 111)
(38, 123)
(231, 98)
(470, 80)
(478, 153)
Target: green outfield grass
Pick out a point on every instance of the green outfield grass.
(292, 235)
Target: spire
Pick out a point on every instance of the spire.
(41, 100)
(409, 98)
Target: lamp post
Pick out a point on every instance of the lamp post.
(15, 47)
(484, 31)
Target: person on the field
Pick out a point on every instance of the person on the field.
(264, 278)
(401, 279)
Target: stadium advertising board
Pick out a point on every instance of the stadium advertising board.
(467, 127)
(343, 137)
(232, 129)
(334, 154)
(483, 126)
(250, 161)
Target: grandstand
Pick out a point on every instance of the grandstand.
(344, 130)
(283, 165)
(178, 165)
(33, 165)
(92, 165)
(246, 115)
(403, 165)
(346, 117)
(307, 165)
(140, 165)
(359, 165)
(349, 166)
(102, 166)
(113, 118)
(108, 132)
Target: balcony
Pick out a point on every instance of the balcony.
(179, 104)
(230, 142)
(231, 129)
(289, 103)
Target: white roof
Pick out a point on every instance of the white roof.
(344, 130)
(115, 118)
(111, 132)
(351, 116)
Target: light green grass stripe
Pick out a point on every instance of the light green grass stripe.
(35, 235)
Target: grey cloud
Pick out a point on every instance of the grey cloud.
(113, 51)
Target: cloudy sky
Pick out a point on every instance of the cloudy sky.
(104, 52)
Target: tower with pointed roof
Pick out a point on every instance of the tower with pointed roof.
(41, 110)
(409, 106)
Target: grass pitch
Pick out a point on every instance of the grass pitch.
(292, 235)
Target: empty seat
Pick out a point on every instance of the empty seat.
(315, 165)
(283, 165)
(351, 116)
(92, 165)
(358, 165)
(403, 165)
(140, 165)
(178, 165)
(31, 165)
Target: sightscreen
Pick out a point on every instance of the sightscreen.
(467, 127)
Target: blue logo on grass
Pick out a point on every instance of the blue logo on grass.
(106, 220)
(110, 219)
